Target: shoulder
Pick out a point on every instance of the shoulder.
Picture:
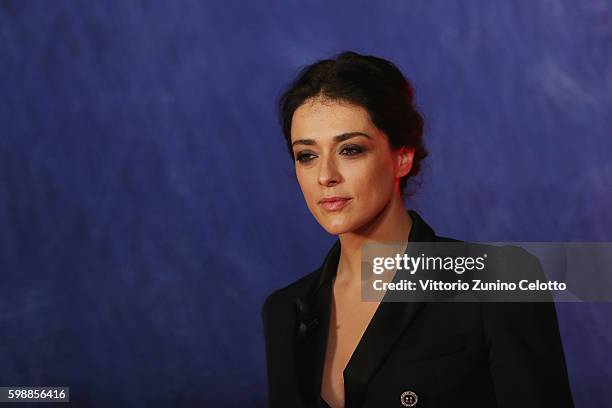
(439, 238)
(512, 262)
(282, 298)
(504, 255)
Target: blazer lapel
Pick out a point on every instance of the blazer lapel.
(313, 328)
(389, 321)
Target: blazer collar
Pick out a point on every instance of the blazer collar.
(313, 314)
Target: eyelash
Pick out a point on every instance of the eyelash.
(301, 157)
(354, 151)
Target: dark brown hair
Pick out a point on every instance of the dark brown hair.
(373, 83)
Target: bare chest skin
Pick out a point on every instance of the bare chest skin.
(348, 321)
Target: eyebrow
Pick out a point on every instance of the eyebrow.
(337, 139)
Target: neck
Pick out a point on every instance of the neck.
(392, 224)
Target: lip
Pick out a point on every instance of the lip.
(334, 203)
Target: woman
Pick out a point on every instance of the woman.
(356, 139)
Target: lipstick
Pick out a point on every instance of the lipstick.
(334, 203)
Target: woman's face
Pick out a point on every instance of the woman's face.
(345, 166)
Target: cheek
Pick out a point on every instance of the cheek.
(306, 183)
(374, 180)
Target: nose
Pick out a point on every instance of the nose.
(328, 172)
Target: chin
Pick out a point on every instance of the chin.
(337, 225)
(334, 230)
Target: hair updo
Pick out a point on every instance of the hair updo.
(373, 83)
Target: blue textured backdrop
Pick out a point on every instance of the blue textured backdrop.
(147, 202)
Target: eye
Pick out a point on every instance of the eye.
(351, 150)
(304, 157)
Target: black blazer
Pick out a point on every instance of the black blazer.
(421, 354)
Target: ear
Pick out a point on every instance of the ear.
(403, 159)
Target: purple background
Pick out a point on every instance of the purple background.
(148, 204)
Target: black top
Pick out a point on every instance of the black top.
(323, 404)
(422, 354)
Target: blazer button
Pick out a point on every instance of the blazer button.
(409, 399)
